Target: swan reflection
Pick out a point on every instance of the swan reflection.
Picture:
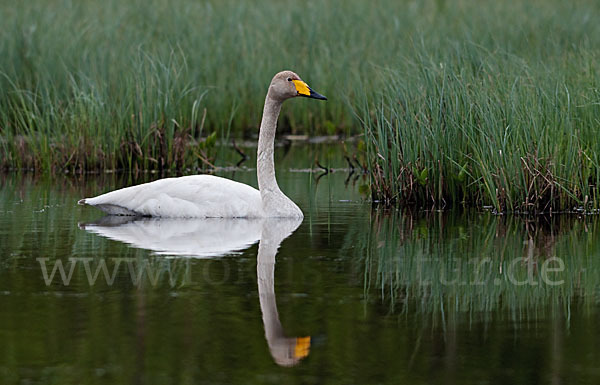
(205, 238)
(199, 238)
(285, 351)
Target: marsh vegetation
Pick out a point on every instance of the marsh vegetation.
(472, 102)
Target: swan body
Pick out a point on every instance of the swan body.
(207, 196)
(194, 196)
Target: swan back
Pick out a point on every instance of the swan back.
(194, 196)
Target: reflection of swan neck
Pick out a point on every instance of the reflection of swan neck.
(285, 351)
(268, 304)
(266, 142)
(265, 271)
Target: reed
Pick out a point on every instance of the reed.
(487, 103)
(91, 86)
(492, 116)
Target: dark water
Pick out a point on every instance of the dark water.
(357, 296)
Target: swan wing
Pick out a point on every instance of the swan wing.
(194, 196)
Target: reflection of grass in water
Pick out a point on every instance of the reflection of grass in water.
(444, 263)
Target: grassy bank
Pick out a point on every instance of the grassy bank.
(503, 113)
(488, 103)
(94, 85)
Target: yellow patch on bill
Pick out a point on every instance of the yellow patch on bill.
(302, 87)
(302, 347)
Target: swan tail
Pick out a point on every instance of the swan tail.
(108, 208)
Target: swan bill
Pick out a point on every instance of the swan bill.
(304, 90)
(302, 347)
(316, 95)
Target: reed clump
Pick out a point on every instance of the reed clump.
(93, 85)
(500, 117)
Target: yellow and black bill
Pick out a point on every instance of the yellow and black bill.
(304, 90)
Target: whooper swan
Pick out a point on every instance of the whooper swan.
(207, 196)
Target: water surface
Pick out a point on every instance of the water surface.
(353, 295)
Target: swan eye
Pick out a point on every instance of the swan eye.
(289, 79)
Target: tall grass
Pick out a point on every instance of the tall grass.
(93, 85)
(493, 103)
(503, 112)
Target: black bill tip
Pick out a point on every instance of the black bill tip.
(316, 95)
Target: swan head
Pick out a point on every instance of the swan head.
(287, 84)
(289, 352)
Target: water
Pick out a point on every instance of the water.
(352, 296)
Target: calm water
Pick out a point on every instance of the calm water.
(351, 296)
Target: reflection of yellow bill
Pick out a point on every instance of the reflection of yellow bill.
(302, 89)
(302, 343)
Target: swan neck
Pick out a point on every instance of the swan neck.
(266, 143)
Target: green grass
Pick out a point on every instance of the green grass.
(476, 102)
(95, 85)
(502, 111)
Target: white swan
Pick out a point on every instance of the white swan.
(207, 196)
